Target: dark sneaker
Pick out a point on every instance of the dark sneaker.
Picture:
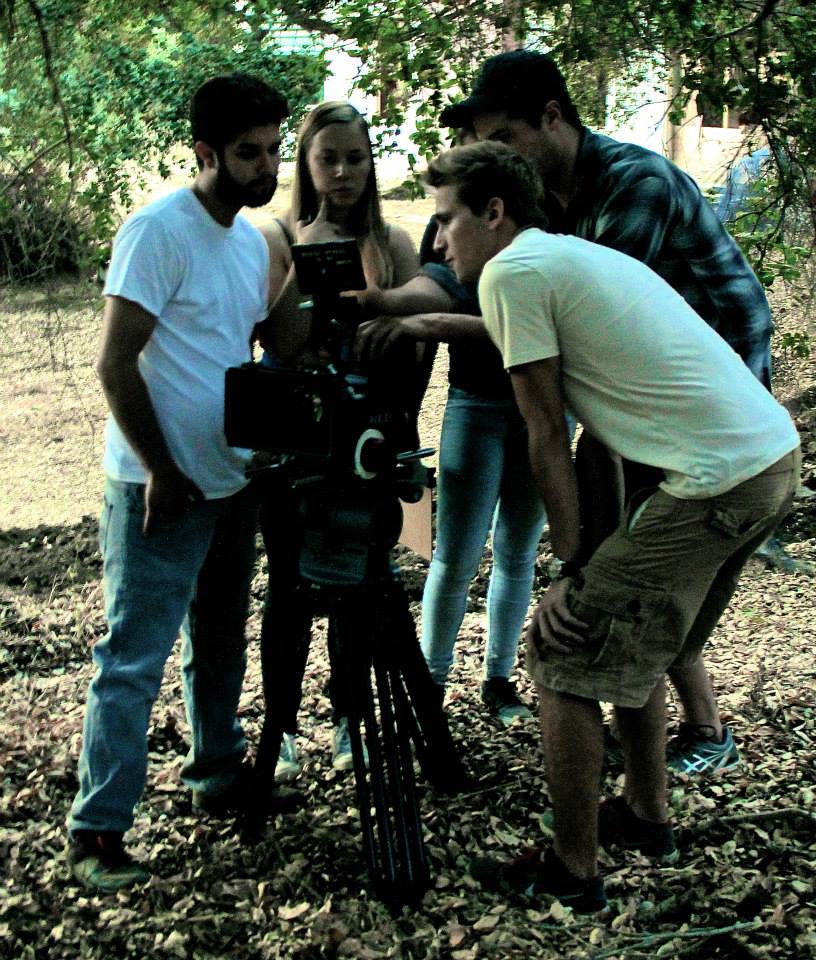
(243, 796)
(500, 697)
(693, 751)
(535, 875)
(99, 861)
(613, 749)
(618, 826)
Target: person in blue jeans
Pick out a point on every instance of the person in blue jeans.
(484, 488)
(187, 284)
(484, 485)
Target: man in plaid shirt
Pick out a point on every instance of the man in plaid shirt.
(638, 202)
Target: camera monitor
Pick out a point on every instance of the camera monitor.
(328, 267)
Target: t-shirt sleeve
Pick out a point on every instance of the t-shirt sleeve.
(146, 266)
(517, 309)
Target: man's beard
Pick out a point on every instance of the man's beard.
(256, 193)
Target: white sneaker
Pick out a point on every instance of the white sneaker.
(342, 759)
(288, 767)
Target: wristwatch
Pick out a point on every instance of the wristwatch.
(569, 568)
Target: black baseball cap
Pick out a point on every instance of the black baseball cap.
(517, 79)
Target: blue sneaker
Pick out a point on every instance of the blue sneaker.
(693, 751)
(342, 758)
(288, 766)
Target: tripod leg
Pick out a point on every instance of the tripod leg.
(354, 644)
(405, 727)
(375, 634)
(435, 748)
(394, 712)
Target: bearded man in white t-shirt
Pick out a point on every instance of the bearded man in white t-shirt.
(187, 285)
(586, 326)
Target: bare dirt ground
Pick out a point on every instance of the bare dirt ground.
(744, 887)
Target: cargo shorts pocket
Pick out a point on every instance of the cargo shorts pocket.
(622, 622)
(737, 525)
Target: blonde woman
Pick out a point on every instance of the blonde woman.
(334, 197)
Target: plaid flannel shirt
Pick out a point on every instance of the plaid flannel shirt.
(635, 201)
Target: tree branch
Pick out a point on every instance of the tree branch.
(694, 933)
(48, 58)
(20, 172)
(293, 10)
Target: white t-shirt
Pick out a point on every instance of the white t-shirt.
(207, 286)
(641, 370)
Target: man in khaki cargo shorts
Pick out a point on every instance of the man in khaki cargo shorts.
(581, 324)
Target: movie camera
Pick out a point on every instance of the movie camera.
(346, 439)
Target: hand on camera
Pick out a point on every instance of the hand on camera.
(376, 337)
(553, 626)
(372, 302)
(168, 493)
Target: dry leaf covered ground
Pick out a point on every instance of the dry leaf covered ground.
(744, 886)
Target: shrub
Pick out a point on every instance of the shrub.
(42, 231)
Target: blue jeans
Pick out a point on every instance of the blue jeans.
(484, 484)
(192, 572)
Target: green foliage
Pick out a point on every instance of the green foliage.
(96, 87)
(108, 99)
(757, 57)
(40, 229)
(796, 343)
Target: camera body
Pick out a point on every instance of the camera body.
(344, 437)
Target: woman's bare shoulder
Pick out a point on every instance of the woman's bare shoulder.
(278, 236)
(403, 253)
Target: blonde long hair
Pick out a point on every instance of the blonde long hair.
(365, 219)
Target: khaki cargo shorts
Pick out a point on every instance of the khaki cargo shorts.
(654, 590)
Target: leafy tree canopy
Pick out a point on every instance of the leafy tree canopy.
(96, 94)
(756, 57)
(92, 88)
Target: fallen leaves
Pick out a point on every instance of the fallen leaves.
(744, 887)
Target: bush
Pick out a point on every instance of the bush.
(42, 231)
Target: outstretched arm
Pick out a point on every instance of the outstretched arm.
(420, 310)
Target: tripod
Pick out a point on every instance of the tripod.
(385, 683)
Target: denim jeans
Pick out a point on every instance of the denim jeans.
(484, 485)
(192, 572)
